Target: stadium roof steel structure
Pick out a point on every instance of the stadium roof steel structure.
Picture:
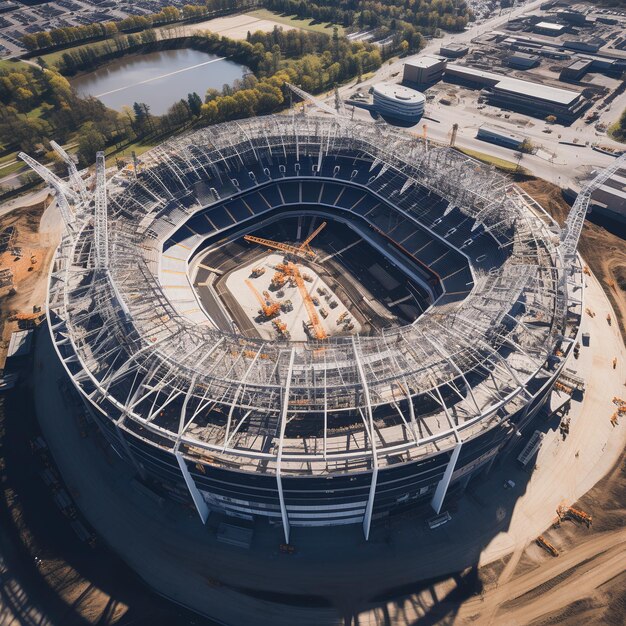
(132, 352)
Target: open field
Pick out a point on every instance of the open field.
(506, 166)
(11, 64)
(295, 22)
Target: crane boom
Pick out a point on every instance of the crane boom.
(268, 309)
(320, 333)
(276, 245)
(305, 244)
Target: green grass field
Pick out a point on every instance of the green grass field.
(501, 164)
(53, 58)
(296, 22)
(12, 64)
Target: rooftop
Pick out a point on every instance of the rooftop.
(535, 90)
(549, 26)
(391, 90)
(425, 62)
(523, 87)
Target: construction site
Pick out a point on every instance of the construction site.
(190, 314)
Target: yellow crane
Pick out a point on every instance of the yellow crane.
(269, 308)
(303, 250)
(318, 329)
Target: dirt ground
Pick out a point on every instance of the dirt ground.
(604, 252)
(237, 26)
(29, 259)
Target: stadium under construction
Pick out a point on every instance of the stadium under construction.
(416, 309)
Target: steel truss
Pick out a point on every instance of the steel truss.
(197, 391)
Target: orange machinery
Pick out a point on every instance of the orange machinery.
(269, 308)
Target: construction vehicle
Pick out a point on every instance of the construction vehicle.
(278, 281)
(281, 329)
(257, 271)
(546, 545)
(342, 317)
(323, 312)
(567, 512)
(303, 250)
(269, 308)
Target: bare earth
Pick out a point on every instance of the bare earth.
(604, 252)
(237, 26)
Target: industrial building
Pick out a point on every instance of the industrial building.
(338, 430)
(610, 198)
(522, 60)
(593, 44)
(500, 137)
(520, 95)
(549, 28)
(398, 102)
(454, 50)
(426, 70)
(575, 70)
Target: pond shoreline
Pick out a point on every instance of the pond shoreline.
(159, 78)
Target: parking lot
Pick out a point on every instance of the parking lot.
(17, 20)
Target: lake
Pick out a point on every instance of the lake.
(157, 78)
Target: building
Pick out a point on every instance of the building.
(344, 430)
(398, 102)
(593, 44)
(610, 198)
(425, 70)
(575, 70)
(500, 137)
(454, 50)
(549, 28)
(522, 60)
(573, 17)
(524, 96)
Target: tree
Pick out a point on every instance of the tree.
(195, 103)
(90, 142)
(527, 146)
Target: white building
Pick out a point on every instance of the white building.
(398, 102)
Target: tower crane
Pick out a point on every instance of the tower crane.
(303, 250)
